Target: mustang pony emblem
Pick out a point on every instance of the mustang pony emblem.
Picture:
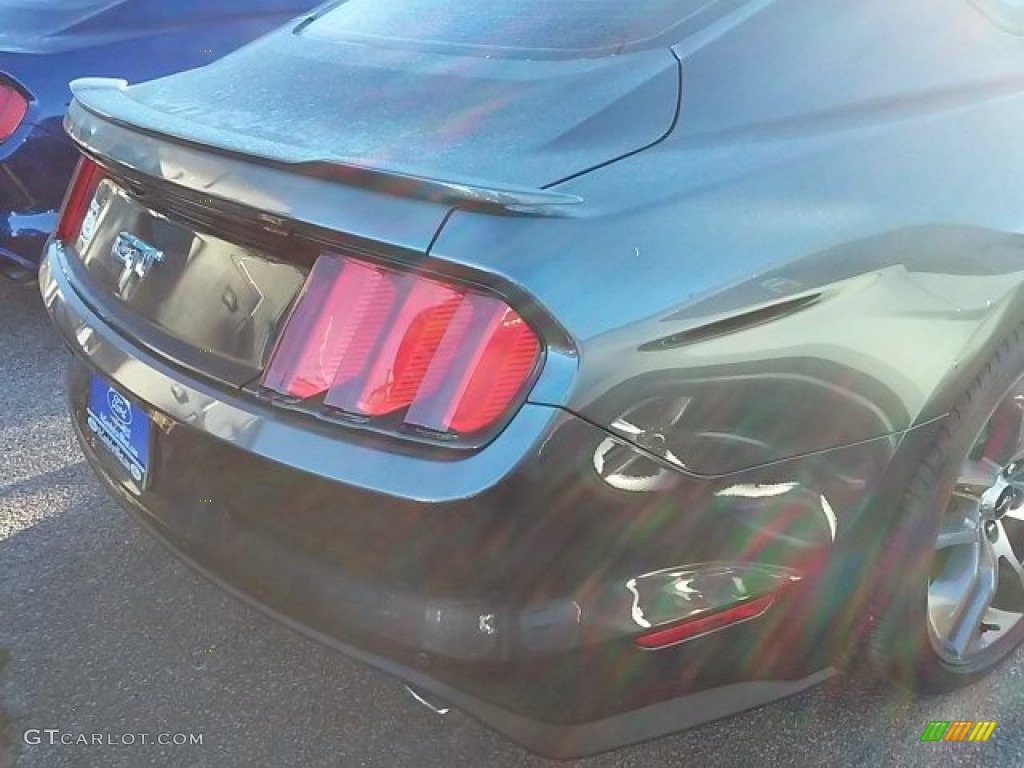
(137, 258)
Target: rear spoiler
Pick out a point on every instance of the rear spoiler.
(107, 100)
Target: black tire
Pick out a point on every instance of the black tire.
(903, 639)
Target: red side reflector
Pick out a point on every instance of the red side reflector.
(13, 107)
(375, 342)
(701, 625)
(83, 186)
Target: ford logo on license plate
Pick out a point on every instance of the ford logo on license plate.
(119, 428)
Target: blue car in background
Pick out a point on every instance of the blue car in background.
(46, 43)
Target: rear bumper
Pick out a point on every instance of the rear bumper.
(517, 722)
(503, 582)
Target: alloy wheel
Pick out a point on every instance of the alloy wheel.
(976, 580)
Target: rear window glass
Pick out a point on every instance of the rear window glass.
(509, 25)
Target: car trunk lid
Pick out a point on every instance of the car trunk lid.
(456, 117)
(236, 174)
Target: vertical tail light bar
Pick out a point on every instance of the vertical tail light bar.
(13, 108)
(339, 314)
(83, 186)
(375, 342)
(481, 372)
(406, 346)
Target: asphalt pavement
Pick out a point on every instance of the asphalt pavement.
(102, 632)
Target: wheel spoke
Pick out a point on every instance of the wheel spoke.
(1002, 548)
(1015, 517)
(949, 587)
(961, 523)
(967, 625)
(955, 538)
(976, 477)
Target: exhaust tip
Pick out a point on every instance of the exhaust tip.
(427, 700)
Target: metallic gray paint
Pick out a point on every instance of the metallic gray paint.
(754, 324)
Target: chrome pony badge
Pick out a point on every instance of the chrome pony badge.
(137, 258)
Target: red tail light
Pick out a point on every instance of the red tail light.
(83, 186)
(374, 341)
(13, 107)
